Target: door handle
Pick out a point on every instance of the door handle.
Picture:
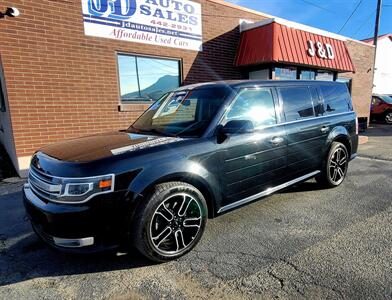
(324, 129)
(277, 140)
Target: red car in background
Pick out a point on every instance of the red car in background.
(381, 108)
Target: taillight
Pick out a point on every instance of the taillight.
(356, 126)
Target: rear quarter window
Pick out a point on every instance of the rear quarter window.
(336, 99)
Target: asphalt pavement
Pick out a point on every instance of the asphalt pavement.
(304, 242)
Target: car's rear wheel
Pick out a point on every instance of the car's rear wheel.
(388, 117)
(334, 169)
(170, 221)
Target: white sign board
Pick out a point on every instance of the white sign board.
(171, 23)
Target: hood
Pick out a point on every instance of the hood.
(104, 145)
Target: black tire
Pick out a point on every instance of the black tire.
(388, 117)
(161, 239)
(334, 168)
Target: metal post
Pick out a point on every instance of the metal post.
(377, 23)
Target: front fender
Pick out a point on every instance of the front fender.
(182, 170)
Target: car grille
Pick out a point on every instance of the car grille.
(43, 185)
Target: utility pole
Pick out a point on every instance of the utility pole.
(377, 23)
(375, 38)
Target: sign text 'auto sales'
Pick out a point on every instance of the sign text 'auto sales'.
(171, 23)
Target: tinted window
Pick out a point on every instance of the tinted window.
(256, 105)
(376, 101)
(146, 78)
(297, 103)
(336, 98)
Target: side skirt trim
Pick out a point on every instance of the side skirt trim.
(267, 191)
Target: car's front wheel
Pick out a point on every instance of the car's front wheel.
(388, 117)
(334, 169)
(170, 221)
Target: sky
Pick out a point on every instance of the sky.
(330, 15)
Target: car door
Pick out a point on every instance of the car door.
(252, 162)
(303, 130)
(376, 105)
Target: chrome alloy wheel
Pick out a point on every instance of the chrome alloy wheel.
(175, 224)
(388, 118)
(338, 166)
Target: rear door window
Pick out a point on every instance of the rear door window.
(297, 103)
(336, 98)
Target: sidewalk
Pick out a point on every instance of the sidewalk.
(11, 185)
(379, 144)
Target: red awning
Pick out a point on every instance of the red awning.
(278, 43)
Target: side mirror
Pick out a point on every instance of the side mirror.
(238, 126)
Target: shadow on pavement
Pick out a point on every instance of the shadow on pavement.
(24, 256)
(378, 130)
(307, 186)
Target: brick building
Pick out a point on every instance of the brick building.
(69, 68)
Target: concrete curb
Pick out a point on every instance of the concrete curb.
(363, 139)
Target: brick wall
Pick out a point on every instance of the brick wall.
(63, 84)
(362, 56)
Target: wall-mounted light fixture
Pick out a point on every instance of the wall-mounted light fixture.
(10, 12)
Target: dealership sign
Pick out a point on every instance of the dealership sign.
(324, 51)
(171, 23)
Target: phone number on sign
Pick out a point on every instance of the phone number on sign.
(174, 26)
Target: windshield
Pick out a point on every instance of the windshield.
(387, 99)
(182, 113)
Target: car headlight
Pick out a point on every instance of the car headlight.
(83, 189)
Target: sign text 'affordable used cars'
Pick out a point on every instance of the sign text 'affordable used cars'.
(171, 23)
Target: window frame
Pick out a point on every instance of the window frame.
(275, 100)
(138, 55)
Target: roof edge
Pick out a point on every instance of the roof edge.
(286, 22)
(249, 10)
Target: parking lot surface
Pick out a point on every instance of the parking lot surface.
(304, 242)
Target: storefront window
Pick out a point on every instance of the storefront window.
(147, 78)
(285, 74)
(324, 75)
(308, 75)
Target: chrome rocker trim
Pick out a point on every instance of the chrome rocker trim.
(73, 243)
(267, 192)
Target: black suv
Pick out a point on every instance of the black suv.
(197, 152)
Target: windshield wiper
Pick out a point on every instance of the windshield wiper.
(153, 130)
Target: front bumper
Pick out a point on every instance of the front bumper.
(97, 225)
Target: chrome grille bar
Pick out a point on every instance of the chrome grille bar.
(43, 185)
